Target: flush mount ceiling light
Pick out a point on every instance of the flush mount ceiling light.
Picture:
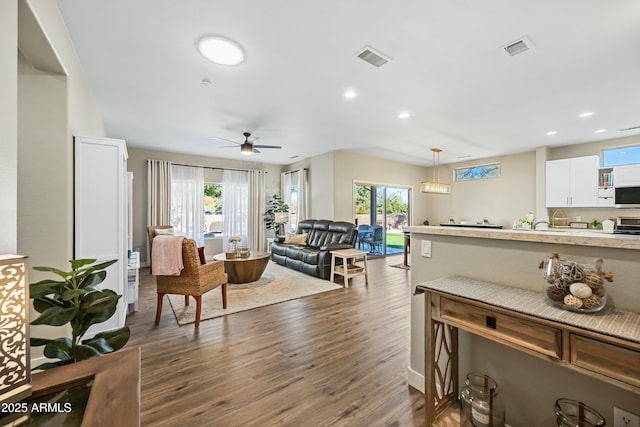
(552, 132)
(220, 50)
(404, 115)
(585, 114)
(600, 131)
(435, 186)
(350, 94)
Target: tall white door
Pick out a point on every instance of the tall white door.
(100, 223)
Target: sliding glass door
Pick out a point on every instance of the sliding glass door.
(386, 207)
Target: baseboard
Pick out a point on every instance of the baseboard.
(415, 379)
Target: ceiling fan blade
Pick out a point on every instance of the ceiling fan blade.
(225, 140)
(255, 150)
(268, 146)
(253, 139)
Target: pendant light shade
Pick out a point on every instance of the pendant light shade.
(435, 186)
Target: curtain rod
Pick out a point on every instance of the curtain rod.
(206, 167)
(297, 170)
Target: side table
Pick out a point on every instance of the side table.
(347, 269)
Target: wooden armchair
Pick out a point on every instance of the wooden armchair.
(194, 280)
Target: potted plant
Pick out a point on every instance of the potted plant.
(275, 205)
(76, 300)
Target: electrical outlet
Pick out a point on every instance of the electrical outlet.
(426, 251)
(622, 418)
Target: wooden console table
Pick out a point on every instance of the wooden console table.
(603, 345)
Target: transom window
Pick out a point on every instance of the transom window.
(621, 156)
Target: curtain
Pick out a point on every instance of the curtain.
(295, 194)
(235, 206)
(158, 194)
(257, 231)
(187, 202)
(303, 195)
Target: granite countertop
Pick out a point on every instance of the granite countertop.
(568, 237)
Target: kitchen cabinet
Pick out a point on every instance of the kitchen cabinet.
(572, 182)
(627, 176)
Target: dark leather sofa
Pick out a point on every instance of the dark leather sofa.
(314, 257)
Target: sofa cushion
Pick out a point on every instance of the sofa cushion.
(296, 239)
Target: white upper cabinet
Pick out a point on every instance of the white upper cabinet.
(572, 182)
(626, 176)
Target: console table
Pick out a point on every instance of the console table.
(603, 345)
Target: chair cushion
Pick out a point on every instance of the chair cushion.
(203, 259)
(296, 239)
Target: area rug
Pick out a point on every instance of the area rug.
(277, 284)
(402, 266)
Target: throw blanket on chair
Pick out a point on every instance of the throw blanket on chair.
(166, 255)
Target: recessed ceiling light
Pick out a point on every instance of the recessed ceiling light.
(206, 82)
(220, 50)
(350, 94)
(600, 131)
(404, 115)
(585, 114)
(552, 132)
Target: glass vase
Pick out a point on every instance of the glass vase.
(570, 413)
(480, 405)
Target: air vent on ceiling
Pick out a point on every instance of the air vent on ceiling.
(631, 128)
(518, 47)
(372, 56)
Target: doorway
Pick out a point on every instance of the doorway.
(385, 206)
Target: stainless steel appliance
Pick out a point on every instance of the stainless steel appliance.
(628, 225)
(627, 197)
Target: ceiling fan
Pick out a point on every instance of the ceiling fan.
(247, 147)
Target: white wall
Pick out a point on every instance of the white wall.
(502, 200)
(51, 107)
(351, 168)
(8, 127)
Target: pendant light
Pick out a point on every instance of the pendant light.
(435, 186)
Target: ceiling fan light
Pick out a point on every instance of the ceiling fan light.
(246, 149)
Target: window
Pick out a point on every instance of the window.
(478, 172)
(212, 209)
(621, 156)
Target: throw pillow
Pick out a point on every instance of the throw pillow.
(164, 231)
(296, 239)
(203, 259)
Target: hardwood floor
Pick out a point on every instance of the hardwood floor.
(334, 359)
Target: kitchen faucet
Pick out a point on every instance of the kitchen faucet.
(535, 223)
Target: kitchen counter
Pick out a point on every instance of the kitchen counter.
(511, 258)
(592, 238)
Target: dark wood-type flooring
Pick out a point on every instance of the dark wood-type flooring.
(334, 359)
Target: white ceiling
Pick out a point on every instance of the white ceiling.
(465, 95)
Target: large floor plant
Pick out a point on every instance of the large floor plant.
(76, 300)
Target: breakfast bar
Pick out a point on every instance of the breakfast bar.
(509, 259)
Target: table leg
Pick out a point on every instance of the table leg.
(333, 267)
(345, 264)
(366, 271)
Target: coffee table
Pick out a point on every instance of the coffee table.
(244, 270)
